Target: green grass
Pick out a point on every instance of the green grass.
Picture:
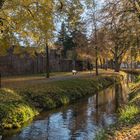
(134, 95)
(128, 113)
(101, 135)
(131, 112)
(137, 79)
(19, 105)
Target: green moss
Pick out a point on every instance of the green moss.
(19, 105)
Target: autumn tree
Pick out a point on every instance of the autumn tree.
(30, 20)
(93, 20)
(120, 30)
(135, 7)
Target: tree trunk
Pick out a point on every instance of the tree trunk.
(37, 64)
(131, 60)
(96, 67)
(117, 68)
(106, 61)
(47, 62)
(0, 81)
(101, 63)
(96, 62)
(127, 65)
(117, 65)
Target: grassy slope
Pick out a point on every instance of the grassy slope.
(19, 105)
(128, 125)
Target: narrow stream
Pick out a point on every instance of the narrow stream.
(80, 121)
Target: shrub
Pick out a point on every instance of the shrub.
(15, 114)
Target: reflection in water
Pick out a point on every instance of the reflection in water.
(118, 96)
(97, 107)
(80, 121)
(131, 78)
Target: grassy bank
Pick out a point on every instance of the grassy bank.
(19, 105)
(135, 71)
(128, 124)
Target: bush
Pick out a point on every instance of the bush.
(15, 114)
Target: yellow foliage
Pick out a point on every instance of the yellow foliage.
(29, 18)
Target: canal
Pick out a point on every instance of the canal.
(80, 121)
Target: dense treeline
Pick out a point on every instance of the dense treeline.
(89, 30)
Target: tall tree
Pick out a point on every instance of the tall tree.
(120, 27)
(65, 40)
(30, 20)
(93, 20)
